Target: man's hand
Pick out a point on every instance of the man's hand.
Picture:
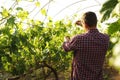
(78, 23)
(67, 38)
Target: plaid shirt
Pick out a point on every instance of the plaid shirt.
(89, 54)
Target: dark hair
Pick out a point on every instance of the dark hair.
(90, 19)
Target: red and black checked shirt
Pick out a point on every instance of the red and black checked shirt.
(89, 53)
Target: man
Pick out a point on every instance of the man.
(89, 50)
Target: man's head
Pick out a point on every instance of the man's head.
(89, 19)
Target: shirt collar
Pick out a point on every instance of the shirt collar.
(93, 31)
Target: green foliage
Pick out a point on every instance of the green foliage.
(114, 27)
(107, 8)
(110, 10)
(22, 14)
(24, 48)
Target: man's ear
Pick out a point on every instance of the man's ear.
(86, 25)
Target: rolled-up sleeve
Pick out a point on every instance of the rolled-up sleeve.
(69, 46)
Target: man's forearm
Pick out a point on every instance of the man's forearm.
(66, 46)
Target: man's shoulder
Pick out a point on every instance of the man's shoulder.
(105, 35)
(79, 36)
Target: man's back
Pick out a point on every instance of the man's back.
(89, 55)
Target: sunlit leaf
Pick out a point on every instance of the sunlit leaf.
(37, 4)
(43, 12)
(5, 12)
(22, 15)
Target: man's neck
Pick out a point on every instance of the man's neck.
(89, 28)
